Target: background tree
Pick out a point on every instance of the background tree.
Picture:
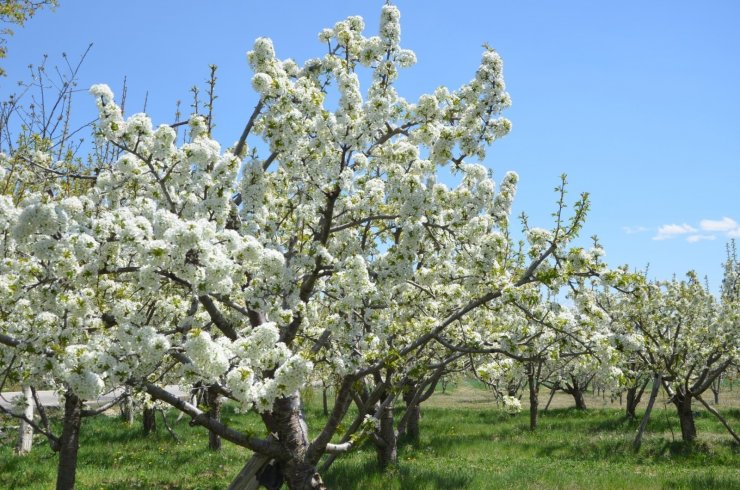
(17, 12)
(684, 337)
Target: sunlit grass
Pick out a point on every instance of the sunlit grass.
(477, 447)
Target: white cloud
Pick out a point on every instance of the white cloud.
(709, 229)
(631, 230)
(671, 231)
(698, 238)
(725, 224)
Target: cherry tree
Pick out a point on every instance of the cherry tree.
(244, 270)
(683, 335)
(540, 342)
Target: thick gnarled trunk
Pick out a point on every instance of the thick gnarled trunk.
(286, 420)
(413, 416)
(69, 442)
(387, 450)
(578, 398)
(149, 420)
(632, 400)
(685, 417)
(577, 389)
(634, 395)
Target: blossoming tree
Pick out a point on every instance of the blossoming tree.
(683, 336)
(243, 270)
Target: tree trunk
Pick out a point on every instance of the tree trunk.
(325, 402)
(25, 431)
(578, 397)
(214, 412)
(150, 420)
(247, 477)
(634, 395)
(387, 452)
(127, 407)
(653, 395)
(552, 395)
(632, 402)
(69, 442)
(286, 420)
(685, 417)
(533, 401)
(412, 429)
(413, 417)
(715, 388)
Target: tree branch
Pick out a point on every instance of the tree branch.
(262, 446)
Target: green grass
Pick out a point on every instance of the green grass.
(481, 449)
(476, 447)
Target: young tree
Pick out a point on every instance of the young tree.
(544, 343)
(41, 332)
(683, 336)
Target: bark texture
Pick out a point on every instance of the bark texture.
(577, 389)
(69, 442)
(533, 402)
(325, 401)
(634, 395)
(215, 402)
(388, 450)
(578, 398)
(632, 401)
(150, 420)
(286, 420)
(414, 415)
(685, 416)
(127, 408)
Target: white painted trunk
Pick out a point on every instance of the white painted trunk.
(25, 435)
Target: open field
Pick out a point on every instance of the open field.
(465, 443)
(471, 394)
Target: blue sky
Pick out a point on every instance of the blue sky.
(638, 102)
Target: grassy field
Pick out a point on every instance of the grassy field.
(465, 443)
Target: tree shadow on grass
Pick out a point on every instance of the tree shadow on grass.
(655, 451)
(702, 482)
(487, 416)
(146, 485)
(17, 473)
(616, 424)
(448, 443)
(368, 476)
(119, 436)
(602, 451)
